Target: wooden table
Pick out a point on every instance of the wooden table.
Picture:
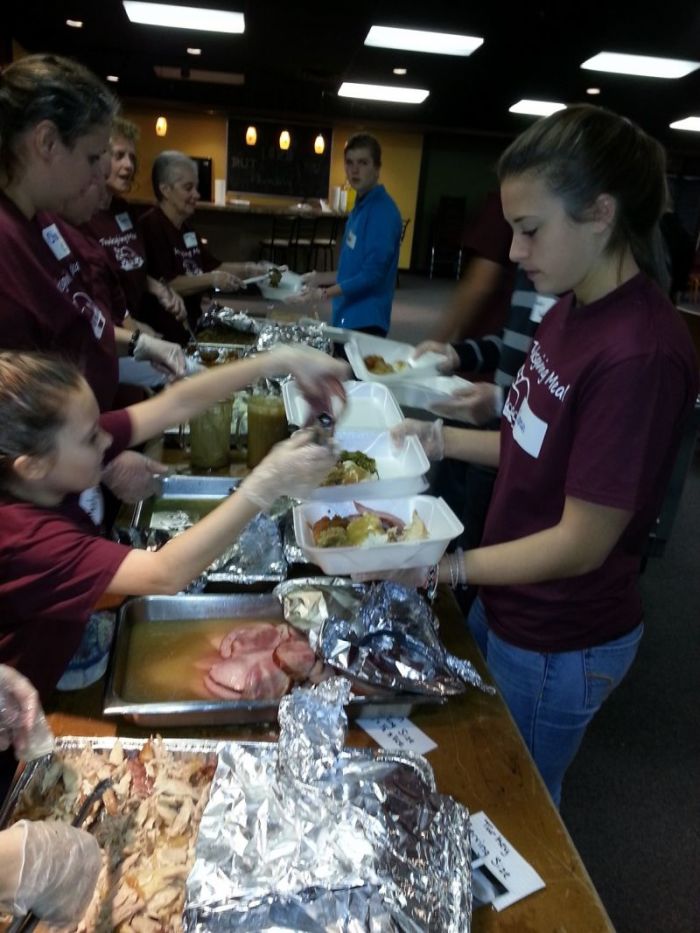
(480, 760)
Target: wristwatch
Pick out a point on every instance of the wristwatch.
(133, 340)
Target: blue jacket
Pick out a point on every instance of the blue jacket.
(368, 261)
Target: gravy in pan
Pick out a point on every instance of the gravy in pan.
(168, 660)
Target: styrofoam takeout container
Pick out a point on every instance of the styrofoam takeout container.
(401, 471)
(426, 393)
(441, 522)
(362, 345)
(369, 405)
(289, 284)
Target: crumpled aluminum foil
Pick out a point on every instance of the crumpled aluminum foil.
(391, 641)
(310, 334)
(219, 317)
(304, 836)
(307, 602)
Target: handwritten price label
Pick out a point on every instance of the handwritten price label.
(396, 733)
(503, 869)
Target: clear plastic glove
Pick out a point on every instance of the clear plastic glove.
(308, 294)
(476, 404)
(49, 868)
(411, 576)
(19, 708)
(131, 477)
(429, 433)
(253, 269)
(310, 279)
(225, 281)
(292, 468)
(446, 349)
(317, 374)
(165, 356)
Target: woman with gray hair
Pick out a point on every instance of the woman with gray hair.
(174, 252)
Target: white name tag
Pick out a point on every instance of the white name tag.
(55, 241)
(124, 221)
(92, 502)
(190, 239)
(351, 239)
(541, 306)
(529, 430)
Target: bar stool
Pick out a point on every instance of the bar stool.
(304, 235)
(325, 238)
(280, 243)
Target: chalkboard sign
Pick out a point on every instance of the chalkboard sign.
(266, 169)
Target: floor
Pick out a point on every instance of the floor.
(631, 800)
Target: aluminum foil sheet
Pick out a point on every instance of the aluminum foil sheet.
(310, 334)
(219, 317)
(391, 641)
(307, 602)
(304, 836)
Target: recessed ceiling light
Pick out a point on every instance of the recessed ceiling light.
(74, 23)
(400, 71)
(537, 108)
(645, 66)
(397, 95)
(113, 78)
(592, 90)
(183, 17)
(194, 51)
(419, 40)
(690, 123)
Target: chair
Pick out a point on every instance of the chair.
(404, 224)
(303, 242)
(280, 243)
(325, 239)
(448, 231)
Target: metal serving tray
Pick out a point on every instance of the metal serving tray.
(176, 491)
(200, 712)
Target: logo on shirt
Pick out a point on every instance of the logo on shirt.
(127, 258)
(124, 221)
(89, 309)
(190, 239)
(190, 266)
(55, 241)
(529, 430)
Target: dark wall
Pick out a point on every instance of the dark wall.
(458, 166)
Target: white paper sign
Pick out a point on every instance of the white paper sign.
(397, 733)
(500, 866)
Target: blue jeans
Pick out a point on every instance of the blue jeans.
(553, 696)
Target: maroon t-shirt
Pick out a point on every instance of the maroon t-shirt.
(596, 412)
(98, 269)
(115, 229)
(171, 252)
(489, 236)
(54, 567)
(45, 302)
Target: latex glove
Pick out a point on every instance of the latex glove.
(19, 707)
(130, 476)
(253, 269)
(292, 468)
(446, 349)
(311, 279)
(165, 356)
(306, 295)
(318, 375)
(429, 433)
(169, 299)
(225, 281)
(475, 404)
(49, 868)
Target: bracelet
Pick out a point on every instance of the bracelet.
(431, 582)
(458, 575)
(133, 340)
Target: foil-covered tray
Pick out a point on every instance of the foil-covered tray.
(169, 690)
(254, 561)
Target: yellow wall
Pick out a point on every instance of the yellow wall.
(205, 136)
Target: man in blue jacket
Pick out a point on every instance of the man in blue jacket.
(362, 288)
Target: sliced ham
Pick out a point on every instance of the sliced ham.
(386, 518)
(296, 657)
(253, 637)
(252, 677)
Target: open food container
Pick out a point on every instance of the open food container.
(289, 284)
(398, 357)
(441, 523)
(369, 405)
(427, 392)
(165, 646)
(399, 472)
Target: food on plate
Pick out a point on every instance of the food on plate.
(274, 277)
(147, 828)
(352, 466)
(378, 366)
(366, 528)
(262, 661)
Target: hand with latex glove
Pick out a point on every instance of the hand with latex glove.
(252, 269)
(131, 477)
(311, 279)
(292, 468)
(446, 349)
(19, 707)
(225, 281)
(49, 868)
(318, 375)
(476, 404)
(429, 433)
(308, 294)
(165, 356)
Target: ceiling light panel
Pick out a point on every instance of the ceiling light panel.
(383, 92)
(645, 66)
(184, 17)
(418, 40)
(689, 123)
(537, 108)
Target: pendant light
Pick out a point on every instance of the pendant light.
(319, 144)
(251, 136)
(161, 126)
(285, 140)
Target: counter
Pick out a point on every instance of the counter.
(480, 760)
